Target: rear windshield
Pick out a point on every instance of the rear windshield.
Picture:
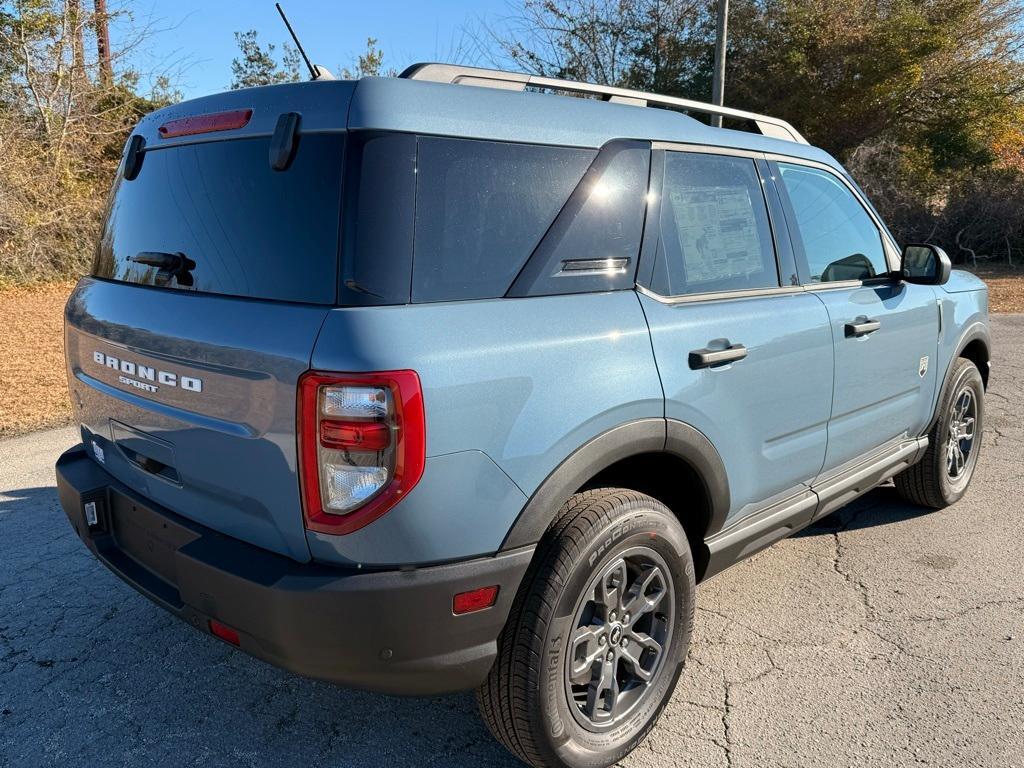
(214, 217)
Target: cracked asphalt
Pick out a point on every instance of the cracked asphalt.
(883, 636)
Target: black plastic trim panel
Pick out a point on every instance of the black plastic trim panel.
(621, 442)
(389, 631)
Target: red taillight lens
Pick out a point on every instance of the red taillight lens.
(224, 632)
(216, 121)
(474, 600)
(362, 445)
(354, 435)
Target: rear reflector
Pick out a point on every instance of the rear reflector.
(474, 600)
(215, 121)
(224, 632)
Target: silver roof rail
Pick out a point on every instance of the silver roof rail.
(518, 81)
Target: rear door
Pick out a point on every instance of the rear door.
(744, 359)
(212, 279)
(885, 331)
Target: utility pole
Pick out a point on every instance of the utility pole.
(718, 79)
(103, 43)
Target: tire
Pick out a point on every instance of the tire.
(553, 634)
(932, 482)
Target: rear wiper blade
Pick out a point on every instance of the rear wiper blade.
(176, 265)
(172, 262)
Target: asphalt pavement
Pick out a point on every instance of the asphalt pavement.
(883, 636)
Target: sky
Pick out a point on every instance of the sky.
(194, 40)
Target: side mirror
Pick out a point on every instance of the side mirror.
(924, 264)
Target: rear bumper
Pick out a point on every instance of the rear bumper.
(392, 632)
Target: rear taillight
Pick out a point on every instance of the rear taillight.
(362, 445)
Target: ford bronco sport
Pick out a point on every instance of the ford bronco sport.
(458, 380)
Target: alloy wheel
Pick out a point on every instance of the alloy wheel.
(962, 421)
(620, 638)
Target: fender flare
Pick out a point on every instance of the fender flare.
(655, 435)
(977, 331)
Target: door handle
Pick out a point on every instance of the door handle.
(707, 357)
(862, 327)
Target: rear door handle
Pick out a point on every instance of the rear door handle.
(707, 357)
(862, 327)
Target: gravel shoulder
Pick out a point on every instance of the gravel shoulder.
(882, 636)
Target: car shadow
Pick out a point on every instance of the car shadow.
(881, 506)
(93, 673)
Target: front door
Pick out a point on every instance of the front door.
(885, 331)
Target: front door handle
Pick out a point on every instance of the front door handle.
(707, 357)
(862, 327)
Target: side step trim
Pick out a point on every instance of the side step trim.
(764, 527)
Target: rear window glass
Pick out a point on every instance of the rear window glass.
(715, 234)
(238, 227)
(481, 209)
(593, 244)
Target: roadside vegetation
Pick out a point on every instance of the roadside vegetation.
(67, 103)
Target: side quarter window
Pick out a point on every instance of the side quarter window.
(834, 233)
(714, 230)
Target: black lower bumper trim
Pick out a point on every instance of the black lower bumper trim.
(392, 632)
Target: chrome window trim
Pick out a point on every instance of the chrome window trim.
(754, 293)
(694, 298)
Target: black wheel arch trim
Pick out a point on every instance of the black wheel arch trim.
(977, 331)
(653, 435)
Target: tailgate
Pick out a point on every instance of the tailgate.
(189, 399)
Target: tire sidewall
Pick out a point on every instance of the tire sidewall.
(569, 743)
(969, 375)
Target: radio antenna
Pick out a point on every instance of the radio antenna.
(313, 71)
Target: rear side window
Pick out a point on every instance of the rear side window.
(838, 238)
(593, 245)
(715, 233)
(214, 217)
(481, 208)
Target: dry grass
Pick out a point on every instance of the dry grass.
(1005, 286)
(33, 383)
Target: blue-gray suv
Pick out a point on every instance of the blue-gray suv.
(466, 379)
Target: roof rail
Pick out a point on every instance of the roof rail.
(518, 81)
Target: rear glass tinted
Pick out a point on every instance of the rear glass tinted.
(593, 244)
(380, 205)
(481, 209)
(249, 230)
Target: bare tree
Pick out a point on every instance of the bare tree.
(62, 126)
